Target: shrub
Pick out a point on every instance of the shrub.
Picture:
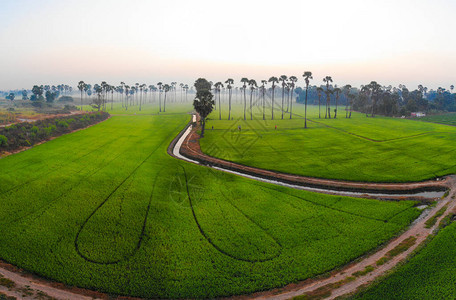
(3, 141)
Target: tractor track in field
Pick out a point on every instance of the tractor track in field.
(140, 239)
(208, 238)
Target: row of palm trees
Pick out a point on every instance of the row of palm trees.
(287, 85)
(129, 93)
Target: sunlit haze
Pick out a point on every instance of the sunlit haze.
(354, 41)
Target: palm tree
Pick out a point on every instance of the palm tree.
(217, 90)
(274, 80)
(319, 91)
(327, 80)
(186, 91)
(151, 89)
(123, 87)
(173, 87)
(245, 81)
(229, 86)
(337, 92)
(160, 84)
(166, 89)
(284, 79)
(127, 90)
(346, 89)
(81, 86)
(293, 80)
(307, 76)
(141, 88)
(253, 85)
(263, 90)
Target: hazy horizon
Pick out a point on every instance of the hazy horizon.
(355, 41)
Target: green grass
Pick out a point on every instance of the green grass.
(449, 119)
(106, 208)
(428, 275)
(376, 149)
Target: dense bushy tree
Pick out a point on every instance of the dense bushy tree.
(203, 103)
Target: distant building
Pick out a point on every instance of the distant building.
(418, 114)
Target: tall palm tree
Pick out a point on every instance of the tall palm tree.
(151, 89)
(284, 79)
(160, 86)
(127, 90)
(263, 91)
(81, 86)
(346, 90)
(274, 80)
(253, 85)
(182, 91)
(245, 81)
(229, 86)
(217, 90)
(307, 76)
(141, 88)
(327, 80)
(337, 92)
(186, 91)
(293, 80)
(123, 88)
(166, 89)
(319, 91)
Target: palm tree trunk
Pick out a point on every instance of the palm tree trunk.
(140, 100)
(263, 104)
(291, 103)
(251, 94)
(220, 108)
(164, 103)
(319, 109)
(272, 104)
(283, 95)
(245, 103)
(229, 108)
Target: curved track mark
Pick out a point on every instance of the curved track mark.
(206, 236)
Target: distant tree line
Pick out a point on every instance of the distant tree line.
(27, 134)
(374, 98)
(131, 95)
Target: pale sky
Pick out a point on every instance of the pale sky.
(354, 41)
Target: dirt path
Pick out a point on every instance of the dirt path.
(22, 285)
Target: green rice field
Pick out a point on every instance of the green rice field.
(428, 275)
(378, 149)
(107, 208)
